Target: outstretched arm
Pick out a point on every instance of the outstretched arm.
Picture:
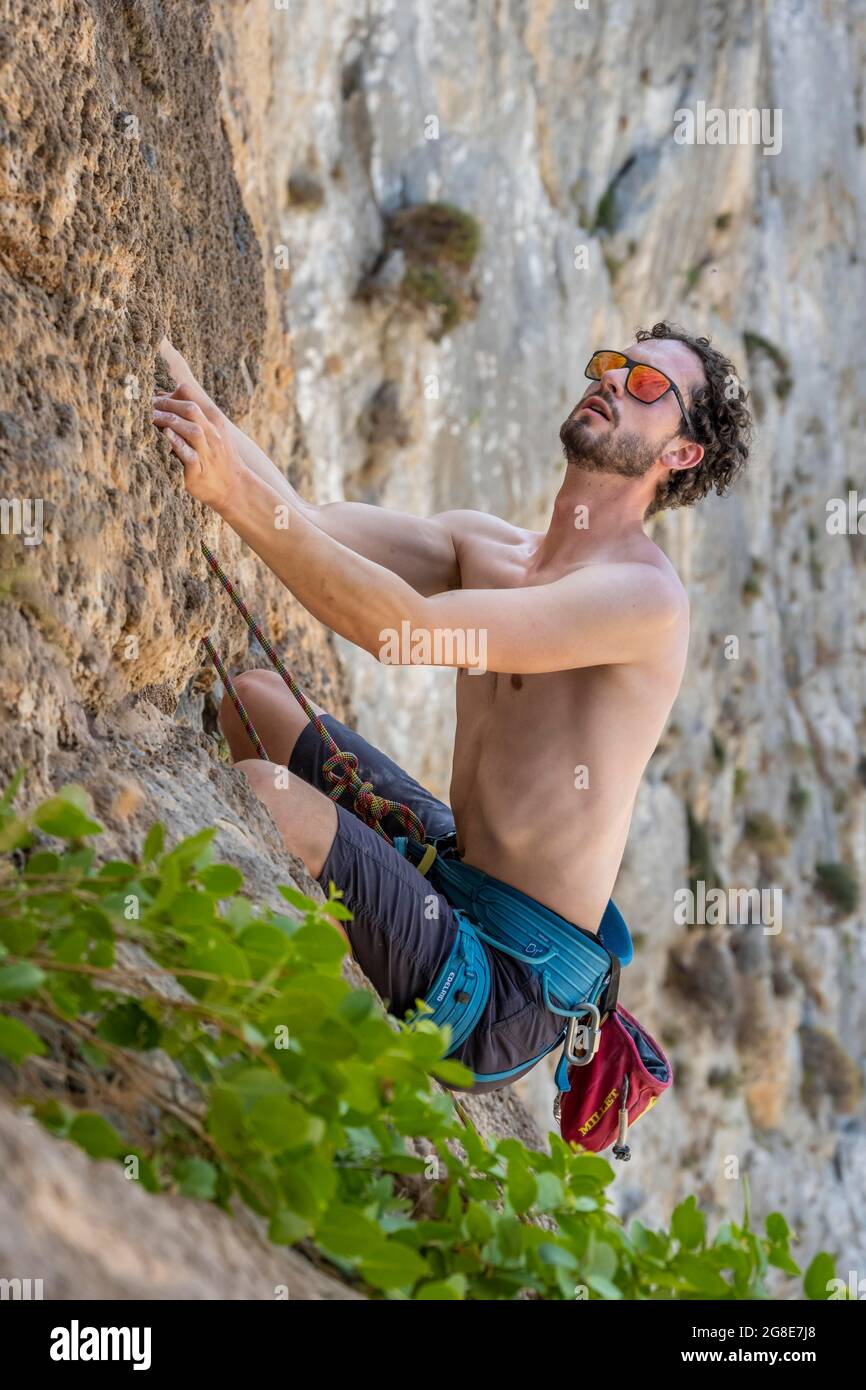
(597, 615)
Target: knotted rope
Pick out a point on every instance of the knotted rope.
(341, 768)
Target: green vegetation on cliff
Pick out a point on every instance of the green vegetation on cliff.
(246, 1066)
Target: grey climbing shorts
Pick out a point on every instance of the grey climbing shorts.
(402, 931)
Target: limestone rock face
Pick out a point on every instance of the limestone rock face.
(135, 200)
(230, 174)
(87, 1233)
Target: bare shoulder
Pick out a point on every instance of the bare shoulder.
(648, 583)
(465, 522)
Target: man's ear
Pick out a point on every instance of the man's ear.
(685, 455)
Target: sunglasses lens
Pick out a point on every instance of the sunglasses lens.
(647, 384)
(602, 362)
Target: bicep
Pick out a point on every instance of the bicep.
(419, 549)
(601, 615)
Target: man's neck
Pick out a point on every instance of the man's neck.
(591, 511)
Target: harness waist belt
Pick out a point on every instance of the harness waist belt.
(579, 974)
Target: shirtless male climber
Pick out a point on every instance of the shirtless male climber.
(585, 633)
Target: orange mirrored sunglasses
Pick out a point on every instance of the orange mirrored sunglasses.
(646, 384)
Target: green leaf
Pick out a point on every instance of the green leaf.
(522, 1189)
(222, 879)
(55, 1116)
(348, 1233)
(196, 1178)
(96, 1136)
(17, 981)
(66, 815)
(700, 1275)
(191, 910)
(605, 1288)
(17, 1041)
(286, 1227)
(153, 842)
(213, 952)
(402, 1163)
(777, 1228)
(297, 899)
(264, 947)
(780, 1259)
(309, 1185)
(129, 1025)
(118, 869)
(452, 1073)
(688, 1224)
(551, 1254)
(70, 946)
(818, 1276)
(192, 852)
(14, 834)
(452, 1290)
(479, 1223)
(42, 864)
(393, 1266)
(11, 789)
(321, 944)
(278, 1123)
(225, 1121)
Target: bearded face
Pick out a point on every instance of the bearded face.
(597, 444)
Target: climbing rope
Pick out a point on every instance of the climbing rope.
(341, 768)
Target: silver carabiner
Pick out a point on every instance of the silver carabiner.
(590, 1036)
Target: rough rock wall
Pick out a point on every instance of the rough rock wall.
(553, 126)
(135, 202)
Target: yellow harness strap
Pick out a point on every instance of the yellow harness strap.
(426, 859)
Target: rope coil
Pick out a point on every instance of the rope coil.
(341, 768)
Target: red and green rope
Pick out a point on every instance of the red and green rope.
(341, 768)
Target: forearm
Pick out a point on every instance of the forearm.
(351, 594)
(265, 469)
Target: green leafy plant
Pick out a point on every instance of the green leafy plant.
(440, 243)
(217, 1051)
(839, 885)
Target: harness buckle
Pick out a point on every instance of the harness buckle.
(589, 1039)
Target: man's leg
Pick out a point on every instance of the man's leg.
(276, 715)
(305, 818)
(290, 738)
(401, 930)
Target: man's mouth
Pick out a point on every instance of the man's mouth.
(597, 406)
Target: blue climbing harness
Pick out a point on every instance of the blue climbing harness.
(579, 970)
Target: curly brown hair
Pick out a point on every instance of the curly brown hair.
(721, 422)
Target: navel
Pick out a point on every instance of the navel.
(517, 682)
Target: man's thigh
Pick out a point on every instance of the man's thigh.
(401, 931)
(385, 776)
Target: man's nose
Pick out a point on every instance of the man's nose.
(614, 378)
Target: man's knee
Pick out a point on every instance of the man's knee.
(263, 777)
(253, 685)
(261, 686)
